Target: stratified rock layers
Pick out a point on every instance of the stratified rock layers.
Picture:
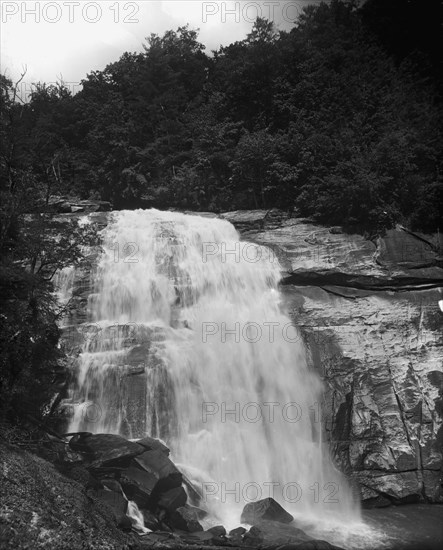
(368, 312)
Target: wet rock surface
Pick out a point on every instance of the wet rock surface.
(105, 449)
(368, 310)
(265, 509)
(78, 505)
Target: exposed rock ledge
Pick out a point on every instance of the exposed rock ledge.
(66, 205)
(369, 314)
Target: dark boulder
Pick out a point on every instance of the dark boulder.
(217, 531)
(151, 521)
(266, 509)
(253, 537)
(112, 485)
(151, 444)
(139, 486)
(238, 531)
(157, 464)
(172, 499)
(150, 477)
(201, 514)
(194, 494)
(185, 519)
(77, 441)
(105, 449)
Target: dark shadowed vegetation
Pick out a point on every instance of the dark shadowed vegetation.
(338, 120)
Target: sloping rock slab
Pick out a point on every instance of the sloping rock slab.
(158, 464)
(200, 514)
(138, 485)
(152, 444)
(265, 509)
(151, 521)
(173, 499)
(185, 519)
(104, 449)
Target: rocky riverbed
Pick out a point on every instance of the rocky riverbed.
(79, 499)
(102, 488)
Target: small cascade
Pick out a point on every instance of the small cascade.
(136, 517)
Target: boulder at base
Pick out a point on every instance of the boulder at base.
(265, 509)
(172, 499)
(185, 519)
(238, 531)
(159, 465)
(218, 532)
(152, 444)
(138, 486)
(103, 449)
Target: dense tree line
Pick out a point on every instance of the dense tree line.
(338, 120)
(33, 248)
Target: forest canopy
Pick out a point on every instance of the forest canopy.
(337, 120)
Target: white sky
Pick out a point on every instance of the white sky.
(69, 39)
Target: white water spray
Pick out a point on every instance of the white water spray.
(187, 341)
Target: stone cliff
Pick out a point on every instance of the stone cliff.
(369, 313)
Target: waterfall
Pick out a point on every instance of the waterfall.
(187, 340)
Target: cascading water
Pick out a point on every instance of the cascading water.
(187, 341)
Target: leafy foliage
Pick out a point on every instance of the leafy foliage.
(33, 246)
(337, 119)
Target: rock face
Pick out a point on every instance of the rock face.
(368, 311)
(105, 448)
